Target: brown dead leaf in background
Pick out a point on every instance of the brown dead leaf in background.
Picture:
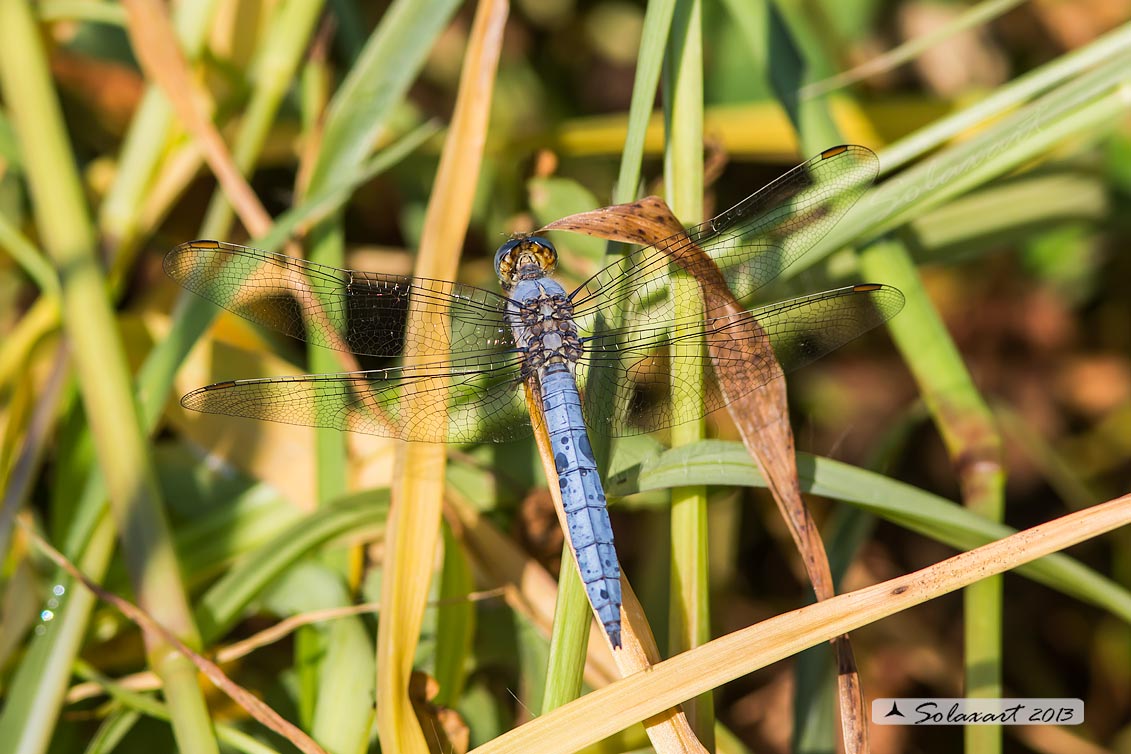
(446, 732)
(111, 90)
(1077, 23)
(964, 60)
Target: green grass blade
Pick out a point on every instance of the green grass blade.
(455, 622)
(327, 675)
(974, 445)
(813, 696)
(649, 63)
(689, 608)
(1003, 98)
(68, 236)
(223, 604)
(328, 246)
(727, 463)
(36, 689)
(377, 81)
(82, 10)
(113, 729)
(29, 258)
(566, 663)
(981, 13)
(1026, 134)
(133, 703)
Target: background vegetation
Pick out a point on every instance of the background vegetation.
(1002, 396)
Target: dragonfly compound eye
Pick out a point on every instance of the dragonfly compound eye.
(504, 260)
(519, 254)
(543, 252)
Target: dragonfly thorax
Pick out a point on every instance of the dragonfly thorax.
(525, 258)
(544, 328)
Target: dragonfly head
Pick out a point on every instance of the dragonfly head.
(524, 257)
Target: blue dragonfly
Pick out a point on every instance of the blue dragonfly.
(614, 336)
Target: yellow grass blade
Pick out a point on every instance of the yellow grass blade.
(414, 521)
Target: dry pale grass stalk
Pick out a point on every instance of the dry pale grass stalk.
(162, 61)
(414, 519)
(606, 711)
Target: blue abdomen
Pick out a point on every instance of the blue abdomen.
(583, 497)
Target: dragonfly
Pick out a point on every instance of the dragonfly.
(598, 356)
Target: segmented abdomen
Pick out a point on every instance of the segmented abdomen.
(590, 531)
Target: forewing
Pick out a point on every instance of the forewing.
(347, 310)
(633, 366)
(751, 243)
(473, 399)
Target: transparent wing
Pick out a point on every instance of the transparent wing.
(347, 310)
(750, 243)
(631, 367)
(473, 399)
